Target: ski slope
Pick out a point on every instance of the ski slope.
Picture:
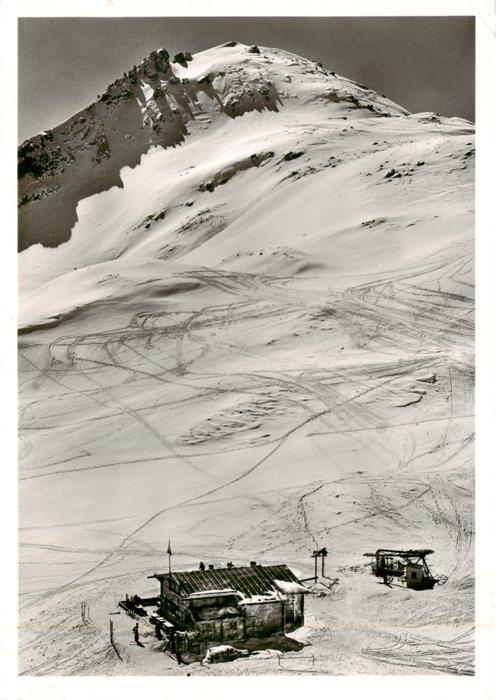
(257, 343)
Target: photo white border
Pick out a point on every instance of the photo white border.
(483, 685)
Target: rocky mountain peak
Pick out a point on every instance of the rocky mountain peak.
(158, 103)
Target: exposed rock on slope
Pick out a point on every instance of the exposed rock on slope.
(152, 104)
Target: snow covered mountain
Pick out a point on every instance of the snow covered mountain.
(246, 317)
(156, 103)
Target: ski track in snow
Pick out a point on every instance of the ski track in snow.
(128, 355)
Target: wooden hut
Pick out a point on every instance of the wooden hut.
(233, 603)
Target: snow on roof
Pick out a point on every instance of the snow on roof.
(249, 580)
(215, 592)
(290, 587)
(262, 598)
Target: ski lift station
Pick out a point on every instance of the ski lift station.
(407, 566)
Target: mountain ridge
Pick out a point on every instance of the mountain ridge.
(153, 104)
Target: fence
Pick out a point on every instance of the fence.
(85, 612)
(112, 642)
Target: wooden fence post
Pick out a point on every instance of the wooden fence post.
(112, 643)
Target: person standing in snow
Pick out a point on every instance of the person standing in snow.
(384, 574)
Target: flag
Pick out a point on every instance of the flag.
(169, 550)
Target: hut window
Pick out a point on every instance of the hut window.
(414, 574)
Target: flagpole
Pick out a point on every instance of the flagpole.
(169, 552)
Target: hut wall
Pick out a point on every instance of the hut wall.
(414, 576)
(222, 630)
(172, 606)
(264, 618)
(294, 610)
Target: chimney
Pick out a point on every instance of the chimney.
(253, 563)
(210, 566)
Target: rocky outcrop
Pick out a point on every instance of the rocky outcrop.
(154, 104)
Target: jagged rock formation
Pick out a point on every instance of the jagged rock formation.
(153, 104)
(149, 106)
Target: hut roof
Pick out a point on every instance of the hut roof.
(249, 580)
